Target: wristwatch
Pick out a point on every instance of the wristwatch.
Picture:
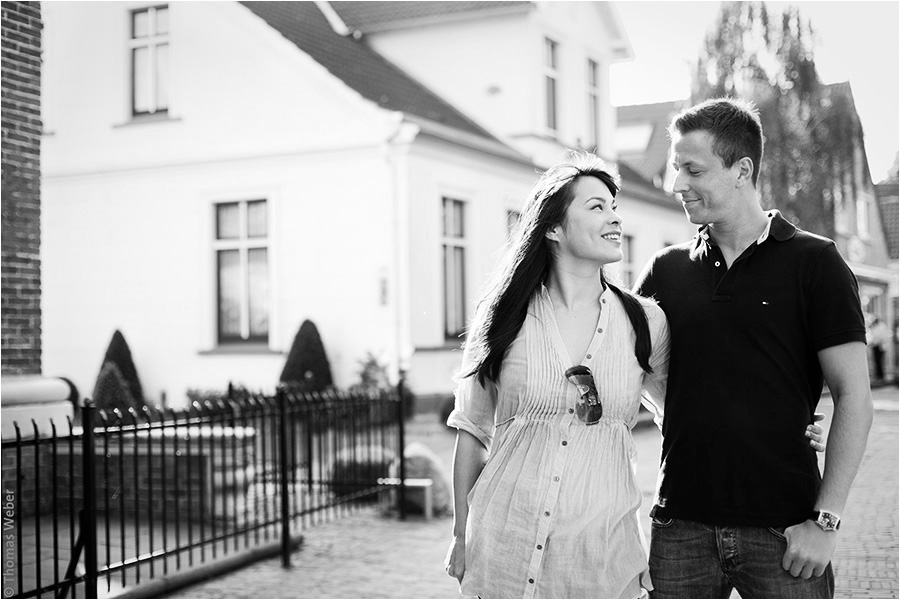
(828, 521)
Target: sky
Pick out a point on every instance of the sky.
(857, 42)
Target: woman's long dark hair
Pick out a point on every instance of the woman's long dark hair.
(502, 311)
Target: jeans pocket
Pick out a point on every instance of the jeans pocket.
(778, 532)
(661, 523)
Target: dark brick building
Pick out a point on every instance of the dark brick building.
(21, 188)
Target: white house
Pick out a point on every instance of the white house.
(214, 173)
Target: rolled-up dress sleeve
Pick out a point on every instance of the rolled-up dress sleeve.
(653, 395)
(474, 409)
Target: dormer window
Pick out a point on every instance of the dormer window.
(149, 46)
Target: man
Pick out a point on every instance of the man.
(760, 312)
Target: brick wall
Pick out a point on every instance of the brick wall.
(20, 352)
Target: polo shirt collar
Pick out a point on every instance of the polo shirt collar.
(778, 227)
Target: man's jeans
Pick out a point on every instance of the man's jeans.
(693, 560)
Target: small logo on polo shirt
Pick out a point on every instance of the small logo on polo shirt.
(765, 303)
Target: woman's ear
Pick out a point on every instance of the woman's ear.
(552, 233)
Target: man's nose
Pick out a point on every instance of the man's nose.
(680, 185)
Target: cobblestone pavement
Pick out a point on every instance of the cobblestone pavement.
(370, 556)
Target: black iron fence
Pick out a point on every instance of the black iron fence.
(125, 498)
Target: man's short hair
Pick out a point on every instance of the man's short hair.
(734, 125)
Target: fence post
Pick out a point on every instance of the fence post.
(89, 512)
(401, 496)
(283, 478)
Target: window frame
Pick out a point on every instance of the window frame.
(243, 244)
(551, 84)
(453, 300)
(152, 42)
(593, 100)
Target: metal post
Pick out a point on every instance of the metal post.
(89, 522)
(401, 496)
(283, 479)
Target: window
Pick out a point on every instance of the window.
(862, 215)
(593, 104)
(454, 268)
(149, 61)
(551, 73)
(627, 266)
(242, 272)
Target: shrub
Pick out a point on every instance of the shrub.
(373, 379)
(119, 354)
(307, 365)
(111, 392)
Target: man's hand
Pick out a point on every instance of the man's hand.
(809, 549)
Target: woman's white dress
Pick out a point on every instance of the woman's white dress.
(554, 512)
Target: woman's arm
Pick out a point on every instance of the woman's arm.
(468, 461)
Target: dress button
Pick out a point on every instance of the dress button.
(588, 356)
(603, 301)
(539, 547)
(531, 581)
(571, 410)
(556, 478)
(565, 443)
(546, 513)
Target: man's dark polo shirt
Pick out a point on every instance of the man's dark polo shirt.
(744, 376)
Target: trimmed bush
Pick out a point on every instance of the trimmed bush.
(119, 354)
(112, 392)
(307, 364)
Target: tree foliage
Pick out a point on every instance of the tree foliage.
(811, 129)
(307, 365)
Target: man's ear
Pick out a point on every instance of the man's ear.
(745, 172)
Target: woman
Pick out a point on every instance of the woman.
(553, 371)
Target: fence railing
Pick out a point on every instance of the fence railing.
(124, 498)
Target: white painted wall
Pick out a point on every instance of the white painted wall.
(488, 187)
(128, 207)
(492, 69)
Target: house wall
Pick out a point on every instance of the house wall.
(489, 188)
(21, 190)
(131, 212)
(492, 69)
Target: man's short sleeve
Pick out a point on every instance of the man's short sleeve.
(835, 314)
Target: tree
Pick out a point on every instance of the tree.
(810, 128)
(119, 354)
(307, 364)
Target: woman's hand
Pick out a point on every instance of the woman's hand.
(455, 563)
(815, 434)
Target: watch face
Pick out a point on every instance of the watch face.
(828, 521)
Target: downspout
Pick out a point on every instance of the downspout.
(397, 150)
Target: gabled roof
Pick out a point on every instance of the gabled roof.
(369, 17)
(359, 66)
(654, 158)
